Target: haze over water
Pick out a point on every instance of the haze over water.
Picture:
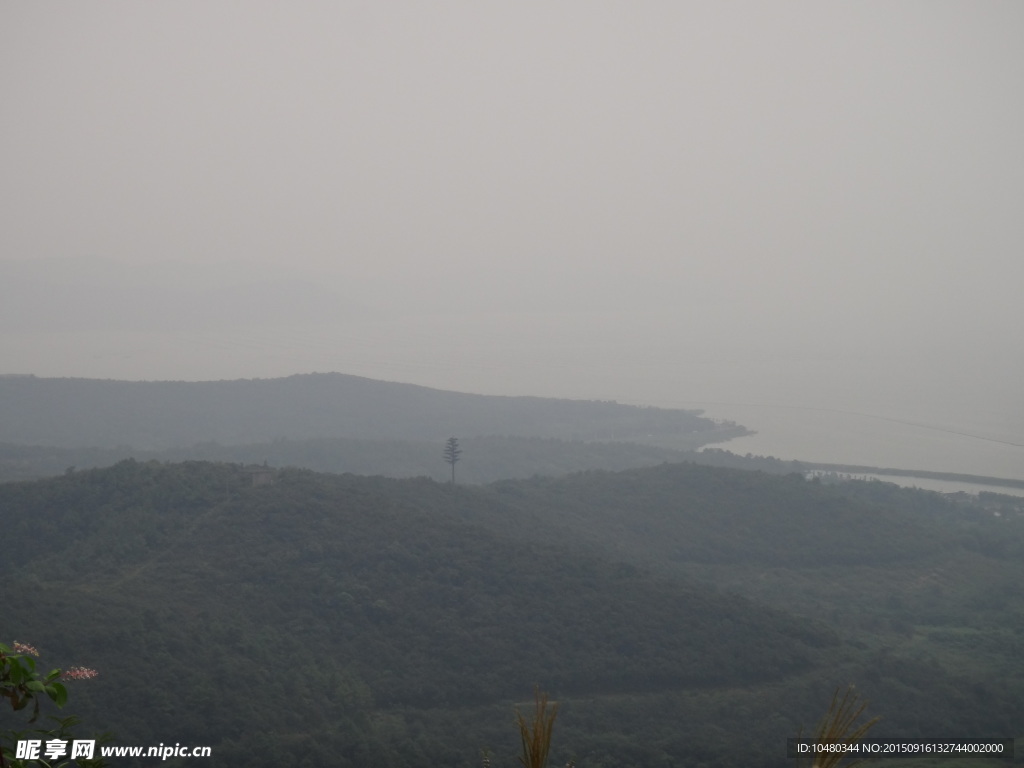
(783, 214)
(846, 438)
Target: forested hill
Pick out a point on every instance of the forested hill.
(336, 613)
(306, 619)
(484, 459)
(162, 414)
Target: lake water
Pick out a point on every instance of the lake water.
(840, 437)
(932, 484)
(942, 486)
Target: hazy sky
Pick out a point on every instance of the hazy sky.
(796, 203)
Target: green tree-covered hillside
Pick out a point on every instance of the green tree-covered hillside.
(305, 619)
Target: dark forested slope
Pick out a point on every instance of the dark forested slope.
(343, 596)
(365, 621)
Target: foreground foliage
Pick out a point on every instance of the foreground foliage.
(23, 687)
(840, 726)
(535, 733)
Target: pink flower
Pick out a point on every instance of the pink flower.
(78, 673)
(25, 648)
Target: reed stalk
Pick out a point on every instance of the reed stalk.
(839, 726)
(536, 734)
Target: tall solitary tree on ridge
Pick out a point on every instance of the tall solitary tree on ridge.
(452, 453)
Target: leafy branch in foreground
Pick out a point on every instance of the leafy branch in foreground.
(22, 686)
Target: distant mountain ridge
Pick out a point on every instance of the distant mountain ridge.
(164, 414)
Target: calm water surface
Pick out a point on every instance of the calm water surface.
(848, 438)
